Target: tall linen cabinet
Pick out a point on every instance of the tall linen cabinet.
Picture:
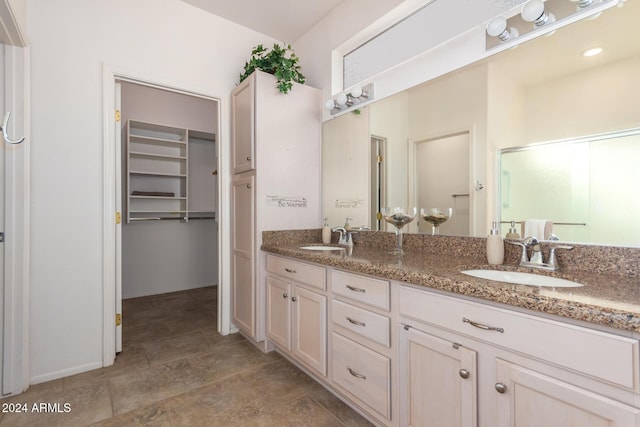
(276, 167)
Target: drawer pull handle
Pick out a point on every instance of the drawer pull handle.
(288, 270)
(351, 288)
(464, 374)
(356, 322)
(481, 326)
(357, 375)
(501, 388)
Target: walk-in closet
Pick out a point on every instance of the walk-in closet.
(169, 191)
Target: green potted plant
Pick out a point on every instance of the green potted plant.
(282, 62)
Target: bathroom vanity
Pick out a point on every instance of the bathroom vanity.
(412, 341)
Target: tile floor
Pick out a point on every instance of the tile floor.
(175, 370)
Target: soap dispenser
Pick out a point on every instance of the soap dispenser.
(326, 232)
(495, 245)
(513, 232)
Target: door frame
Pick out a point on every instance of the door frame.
(112, 180)
(412, 168)
(15, 356)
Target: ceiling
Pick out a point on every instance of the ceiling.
(283, 20)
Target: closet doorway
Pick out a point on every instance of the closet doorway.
(167, 185)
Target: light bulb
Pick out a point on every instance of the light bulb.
(356, 92)
(341, 99)
(534, 12)
(583, 3)
(330, 105)
(497, 27)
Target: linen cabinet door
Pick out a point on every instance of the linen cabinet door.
(438, 381)
(279, 312)
(243, 258)
(527, 398)
(310, 328)
(243, 126)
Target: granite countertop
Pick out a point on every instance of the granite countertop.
(606, 299)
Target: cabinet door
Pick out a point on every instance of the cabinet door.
(527, 398)
(243, 261)
(243, 126)
(438, 381)
(310, 328)
(279, 312)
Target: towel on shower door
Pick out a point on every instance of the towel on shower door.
(538, 228)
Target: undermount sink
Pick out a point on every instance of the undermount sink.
(520, 278)
(321, 248)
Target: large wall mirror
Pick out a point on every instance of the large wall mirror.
(438, 144)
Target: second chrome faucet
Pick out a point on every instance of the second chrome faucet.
(535, 260)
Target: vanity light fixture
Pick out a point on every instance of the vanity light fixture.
(497, 27)
(534, 11)
(356, 96)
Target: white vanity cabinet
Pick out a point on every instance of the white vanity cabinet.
(361, 342)
(297, 311)
(531, 371)
(276, 150)
(439, 381)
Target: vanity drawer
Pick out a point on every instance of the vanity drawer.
(367, 290)
(299, 271)
(363, 322)
(362, 372)
(604, 356)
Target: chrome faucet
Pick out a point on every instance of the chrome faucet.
(536, 260)
(346, 236)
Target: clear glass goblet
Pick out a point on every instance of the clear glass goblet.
(399, 217)
(436, 217)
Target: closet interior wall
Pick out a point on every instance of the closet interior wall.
(167, 255)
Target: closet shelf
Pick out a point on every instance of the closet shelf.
(168, 172)
(156, 141)
(174, 175)
(157, 156)
(157, 197)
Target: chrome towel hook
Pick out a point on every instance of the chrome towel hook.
(5, 124)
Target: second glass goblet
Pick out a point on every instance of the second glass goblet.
(399, 217)
(436, 217)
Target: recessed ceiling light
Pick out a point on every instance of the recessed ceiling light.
(592, 52)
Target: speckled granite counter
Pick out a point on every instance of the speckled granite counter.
(607, 297)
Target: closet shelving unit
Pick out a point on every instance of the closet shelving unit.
(159, 173)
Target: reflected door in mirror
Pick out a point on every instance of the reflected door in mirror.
(442, 181)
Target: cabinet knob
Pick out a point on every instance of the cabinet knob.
(294, 299)
(248, 185)
(501, 388)
(248, 158)
(285, 296)
(464, 373)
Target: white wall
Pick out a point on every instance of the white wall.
(167, 40)
(389, 119)
(168, 256)
(345, 169)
